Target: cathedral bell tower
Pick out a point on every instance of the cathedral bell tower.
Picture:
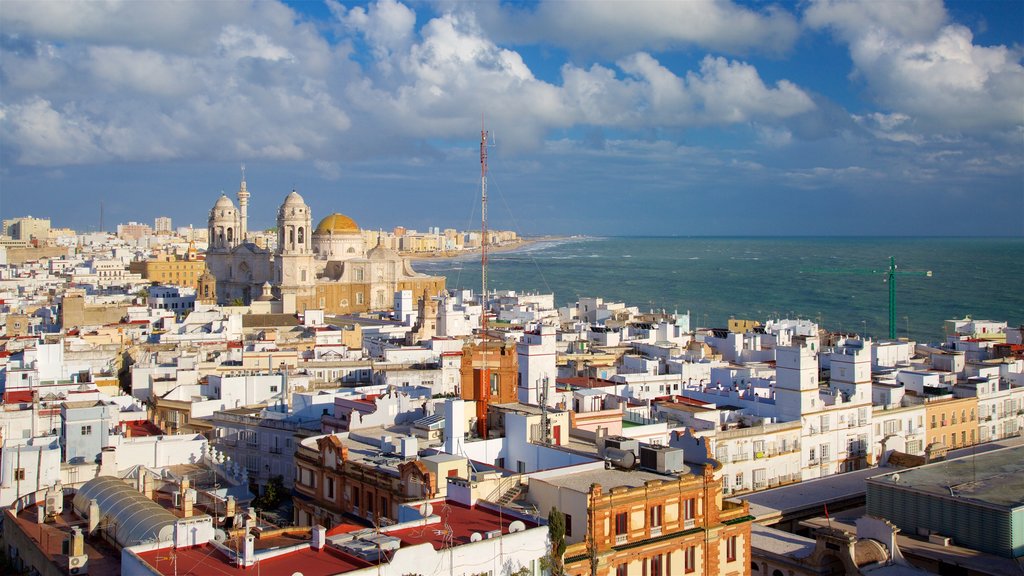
(294, 267)
(243, 209)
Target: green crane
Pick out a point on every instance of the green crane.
(890, 278)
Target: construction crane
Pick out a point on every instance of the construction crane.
(889, 277)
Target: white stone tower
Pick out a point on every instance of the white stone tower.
(536, 359)
(850, 367)
(796, 381)
(294, 264)
(243, 209)
(223, 226)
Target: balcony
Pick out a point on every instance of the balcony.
(655, 531)
(275, 449)
(621, 539)
(689, 523)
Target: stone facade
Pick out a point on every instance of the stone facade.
(326, 268)
(665, 527)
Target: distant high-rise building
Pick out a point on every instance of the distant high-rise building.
(162, 225)
(28, 228)
(133, 231)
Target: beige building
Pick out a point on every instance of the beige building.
(171, 269)
(327, 267)
(28, 228)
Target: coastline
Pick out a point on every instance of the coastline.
(523, 243)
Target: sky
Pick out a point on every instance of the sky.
(700, 117)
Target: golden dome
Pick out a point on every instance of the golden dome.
(337, 224)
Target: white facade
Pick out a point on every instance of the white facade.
(537, 371)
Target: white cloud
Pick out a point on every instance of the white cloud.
(619, 28)
(387, 25)
(916, 65)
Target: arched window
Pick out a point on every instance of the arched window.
(291, 236)
(778, 573)
(302, 235)
(754, 568)
(230, 235)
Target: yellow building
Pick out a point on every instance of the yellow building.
(951, 422)
(171, 269)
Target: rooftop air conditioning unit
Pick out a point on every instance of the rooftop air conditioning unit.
(78, 564)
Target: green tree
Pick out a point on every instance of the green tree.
(272, 494)
(237, 302)
(556, 535)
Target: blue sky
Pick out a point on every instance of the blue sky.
(641, 118)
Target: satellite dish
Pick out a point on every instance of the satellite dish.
(516, 526)
(476, 537)
(896, 477)
(297, 574)
(426, 509)
(219, 535)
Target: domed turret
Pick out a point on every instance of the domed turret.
(337, 237)
(337, 224)
(223, 226)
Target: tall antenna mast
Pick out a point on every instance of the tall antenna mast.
(485, 387)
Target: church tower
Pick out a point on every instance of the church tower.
(295, 269)
(223, 226)
(243, 209)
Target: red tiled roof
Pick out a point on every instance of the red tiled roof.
(205, 559)
(143, 428)
(344, 529)
(462, 520)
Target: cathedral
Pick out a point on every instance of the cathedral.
(326, 268)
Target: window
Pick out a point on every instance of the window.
(359, 297)
(568, 525)
(811, 455)
(656, 567)
(622, 570)
(730, 548)
(690, 504)
(621, 523)
(953, 417)
(656, 516)
(86, 430)
(330, 488)
(495, 384)
(273, 388)
(933, 420)
(824, 453)
(19, 473)
(690, 559)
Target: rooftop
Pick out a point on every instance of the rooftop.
(208, 560)
(995, 478)
(457, 522)
(49, 538)
(780, 542)
(581, 481)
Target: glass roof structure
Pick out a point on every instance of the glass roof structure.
(125, 514)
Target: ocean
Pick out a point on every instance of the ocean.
(829, 280)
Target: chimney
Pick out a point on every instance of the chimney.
(319, 534)
(76, 545)
(229, 510)
(249, 550)
(147, 484)
(94, 515)
(186, 501)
